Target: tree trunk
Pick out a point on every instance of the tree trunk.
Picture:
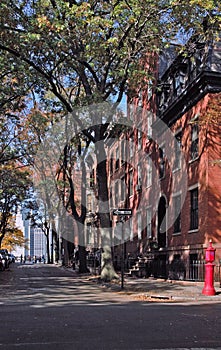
(107, 270)
(82, 260)
(48, 246)
(65, 261)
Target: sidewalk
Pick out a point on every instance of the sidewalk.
(148, 289)
(156, 290)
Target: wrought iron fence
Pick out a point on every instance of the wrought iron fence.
(194, 270)
(197, 271)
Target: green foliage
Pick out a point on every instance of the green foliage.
(72, 53)
(88, 50)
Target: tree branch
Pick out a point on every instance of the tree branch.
(47, 76)
(91, 70)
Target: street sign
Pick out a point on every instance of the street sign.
(121, 211)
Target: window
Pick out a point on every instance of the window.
(123, 151)
(130, 182)
(177, 147)
(111, 164)
(194, 141)
(176, 84)
(149, 124)
(179, 80)
(132, 229)
(132, 146)
(149, 171)
(139, 176)
(150, 89)
(89, 202)
(139, 226)
(140, 98)
(149, 225)
(161, 162)
(111, 197)
(122, 189)
(139, 140)
(131, 111)
(92, 179)
(117, 159)
(177, 214)
(194, 209)
(89, 233)
(116, 190)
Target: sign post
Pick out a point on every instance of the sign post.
(122, 212)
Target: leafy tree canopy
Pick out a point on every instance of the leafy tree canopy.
(85, 51)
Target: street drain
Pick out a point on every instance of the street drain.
(160, 297)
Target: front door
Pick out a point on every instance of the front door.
(162, 223)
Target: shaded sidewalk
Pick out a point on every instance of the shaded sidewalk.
(161, 290)
(154, 289)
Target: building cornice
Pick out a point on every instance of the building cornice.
(206, 82)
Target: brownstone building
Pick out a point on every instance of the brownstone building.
(166, 167)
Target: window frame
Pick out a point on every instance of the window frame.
(177, 150)
(194, 209)
(130, 187)
(117, 159)
(132, 148)
(162, 162)
(139, 225)
(177, 213)
(149, 222)
(194, 147)
(139, 140)
(149, 171)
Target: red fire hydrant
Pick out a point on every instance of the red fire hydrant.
(209, 271)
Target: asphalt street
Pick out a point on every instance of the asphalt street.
(46, 307)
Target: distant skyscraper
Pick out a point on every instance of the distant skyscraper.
(36, 240)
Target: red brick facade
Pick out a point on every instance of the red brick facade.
(175, 214)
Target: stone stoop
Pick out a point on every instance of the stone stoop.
(139, 269)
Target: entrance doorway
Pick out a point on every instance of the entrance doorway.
(161, 232)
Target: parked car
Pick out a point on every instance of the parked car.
(4, 258)
(11, 258)
(3, 262)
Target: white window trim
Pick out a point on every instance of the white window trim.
(149, 159)
(139, 225)
(174, 195)
(149, 208)
(178, 131)
(193, 187)
(163, 146)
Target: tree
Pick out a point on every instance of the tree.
(14, 236)
(14, 185)
(71, 179)
(86, 52)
